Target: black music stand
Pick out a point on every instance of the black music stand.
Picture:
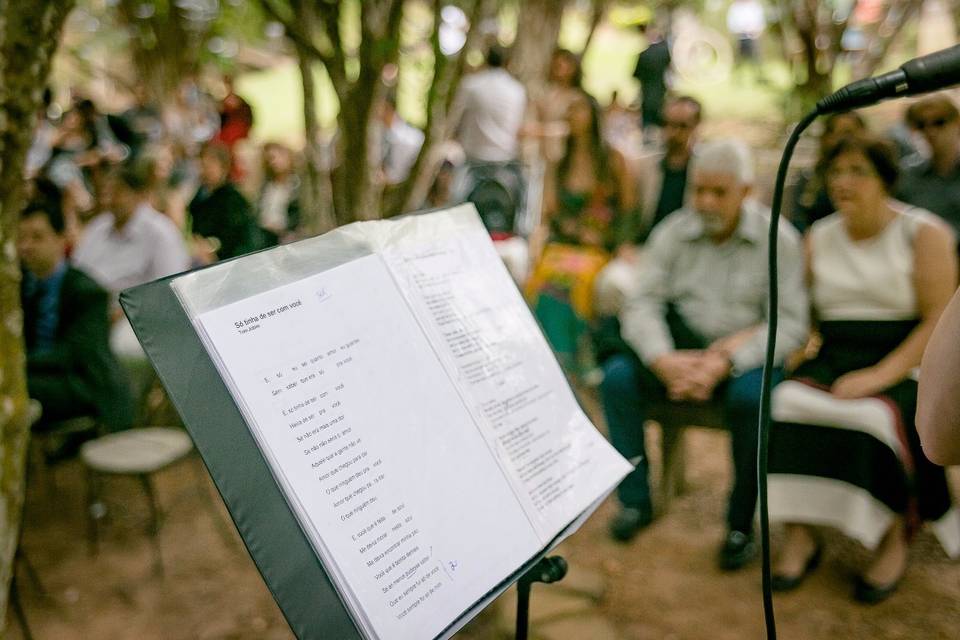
(271, 532)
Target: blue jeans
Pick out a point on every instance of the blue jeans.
(627, 392)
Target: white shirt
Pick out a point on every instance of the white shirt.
(870, 279)
(401, 146)
(274, 204)
(148, 247)
(718, 289)
(488, 113)
(745, 18)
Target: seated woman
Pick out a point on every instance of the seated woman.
(278, 205)
(844, 450)
(220, 219)
(585, 200)
(810, 199)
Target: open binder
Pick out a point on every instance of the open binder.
(385, 422)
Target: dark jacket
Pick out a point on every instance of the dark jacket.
(81, 351)
(225, 214)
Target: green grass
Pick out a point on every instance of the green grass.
(276, 94)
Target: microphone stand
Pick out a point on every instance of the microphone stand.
(932, 72)
(763, 427)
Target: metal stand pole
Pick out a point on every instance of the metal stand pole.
(547, 570)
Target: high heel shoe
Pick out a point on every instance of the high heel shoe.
(783, 583)
(868, 593)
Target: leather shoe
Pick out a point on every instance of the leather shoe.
(738, 549)
(628, 523)
(781, 582)
(873, 594)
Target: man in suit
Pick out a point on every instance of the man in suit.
(70, 369)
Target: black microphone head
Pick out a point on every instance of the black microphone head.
(935, 71)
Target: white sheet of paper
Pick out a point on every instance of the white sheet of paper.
(348, 400)
(490, 344)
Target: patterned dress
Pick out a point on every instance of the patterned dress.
(584, 230)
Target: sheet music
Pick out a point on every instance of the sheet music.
(557, 461)
(373, 446)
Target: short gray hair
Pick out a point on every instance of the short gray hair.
(727, 156)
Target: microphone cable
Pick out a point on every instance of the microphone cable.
(931, 72)
(763, 428)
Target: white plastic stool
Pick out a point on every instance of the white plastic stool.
(137, 452)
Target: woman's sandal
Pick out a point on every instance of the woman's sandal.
(783, 583)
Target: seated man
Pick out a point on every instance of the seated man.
(934, 184)
(696, 323)
(70, 369)
(131, 245)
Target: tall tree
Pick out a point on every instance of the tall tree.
(29, 34)
(538, 28)
(165, 41)
(597, 10)
(896, 14)
(317, 214)
(158, 43)
(355, 58)
(818, 26)
(447, 71)
(355, 69)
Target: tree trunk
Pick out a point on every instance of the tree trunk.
(163, 49)
(354, 177)
(29, 34)
(316, 204)
(819, 36)
(356, 193)
(538, 28)
(597, 9)
(443, 87)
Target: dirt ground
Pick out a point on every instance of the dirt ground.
(662, 586)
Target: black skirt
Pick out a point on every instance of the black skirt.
(854, 464)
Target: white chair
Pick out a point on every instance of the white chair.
(138, 452)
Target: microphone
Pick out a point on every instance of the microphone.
(928, 73)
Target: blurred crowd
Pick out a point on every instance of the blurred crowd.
(640, 247)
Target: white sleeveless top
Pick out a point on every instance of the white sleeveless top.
(870, 279)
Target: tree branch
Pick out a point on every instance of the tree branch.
(897, 16)
(440, 95)
(597, 9)
(292, 30)
(337, 69)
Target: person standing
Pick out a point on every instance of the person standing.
(651, 72)
(746, 22)
(400, 143)
(236, 122)
(488, 112)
